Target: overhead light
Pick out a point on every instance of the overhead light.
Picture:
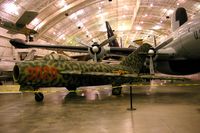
(62, 3)
(145, 15)
(177, 4)
(73, 16)
(125, 7)
(11, 7)
(39, 26)
(138, 27)
(156, 27)
(61, 36)
(80, 12)
(35, 22)
(79, 24)
(123, 27)
(76, 14)
(197, 6)
(151, 5)
(181, 1)
(169, 12)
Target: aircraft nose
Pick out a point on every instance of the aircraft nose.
(18, 43)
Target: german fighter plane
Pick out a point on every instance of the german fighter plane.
(55, 71)
(20, 25)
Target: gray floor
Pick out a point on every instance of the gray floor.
(170, 108)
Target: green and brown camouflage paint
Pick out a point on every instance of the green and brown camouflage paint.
(58, 72)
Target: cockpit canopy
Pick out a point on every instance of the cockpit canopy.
(54, 56)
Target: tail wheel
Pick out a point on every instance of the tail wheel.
(39, 96)
(117, 91)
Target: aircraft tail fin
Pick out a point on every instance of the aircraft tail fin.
(30, 55)
(179, 17)
(110, 33)
(137, 58)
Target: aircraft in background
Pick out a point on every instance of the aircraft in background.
(20, 25)
(179, 54)
(55, 71)
(95, 51)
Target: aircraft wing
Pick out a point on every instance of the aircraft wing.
(26, 18)
(18, 43)
(122, 74)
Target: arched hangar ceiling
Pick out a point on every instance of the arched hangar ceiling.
(61, 21)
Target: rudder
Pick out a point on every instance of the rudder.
(137, 58)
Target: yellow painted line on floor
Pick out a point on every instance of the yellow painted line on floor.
(15, 89)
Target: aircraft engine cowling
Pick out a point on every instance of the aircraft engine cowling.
(98, 50)
(38, 74)
(178, 67)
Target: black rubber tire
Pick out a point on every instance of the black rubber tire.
(39, 97)
(71, 89)
(117, 91)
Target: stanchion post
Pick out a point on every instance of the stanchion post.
(131, 100)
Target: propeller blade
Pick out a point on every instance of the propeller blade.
(79, 41)
(151, 66)
(95, 57)
(151, 53)
(154, 41)
(108, 40)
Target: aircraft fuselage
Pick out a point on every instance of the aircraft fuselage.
(60, 73)
(181, 55)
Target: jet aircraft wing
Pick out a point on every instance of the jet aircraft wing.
(123, 74)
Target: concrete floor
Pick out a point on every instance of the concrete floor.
(170, 108)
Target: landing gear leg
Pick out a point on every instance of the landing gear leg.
(117, 91)
(72, 91)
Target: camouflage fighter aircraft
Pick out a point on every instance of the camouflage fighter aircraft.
(55, 71)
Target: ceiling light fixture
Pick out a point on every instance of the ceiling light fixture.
(11, 7)
(138, 27)
(156, 27)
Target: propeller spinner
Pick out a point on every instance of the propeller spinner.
(96, 51)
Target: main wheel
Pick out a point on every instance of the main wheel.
(117, 91)
(71, 89)
(39, 96)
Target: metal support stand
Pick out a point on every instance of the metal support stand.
(131, 100)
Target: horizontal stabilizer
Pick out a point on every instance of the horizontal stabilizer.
(26, 18)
